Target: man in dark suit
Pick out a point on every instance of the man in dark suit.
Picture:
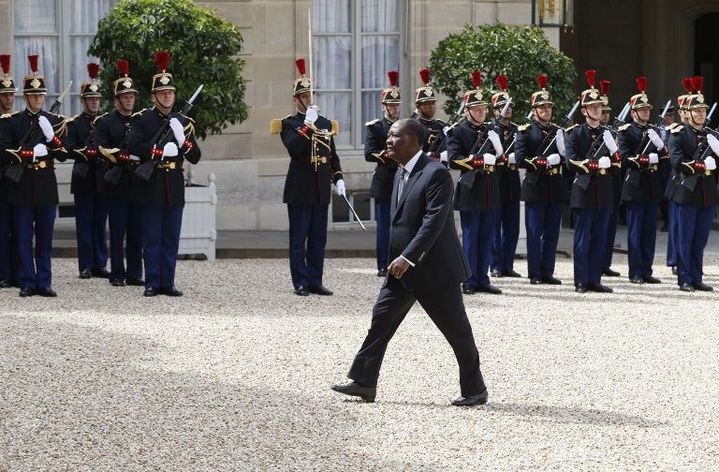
(427, 265)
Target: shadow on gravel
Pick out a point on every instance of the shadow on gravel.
(575, 415)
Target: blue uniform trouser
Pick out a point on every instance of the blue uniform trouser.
(695, 223)
(506, 235)
(641, 237)
(125, 222)
(543, 222)
(35, 268)
(477, 239)
(611, 236)
(90, 222)
(308, 237)
(590, 239)
(160, 228)
(381, 213)
(672, 229)
(8, 253)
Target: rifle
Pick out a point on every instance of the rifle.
(440, 139)
(144, 170)
(660, 120)
(552, 135)
(112, 176)
(480, 149)
(618, 121)
(690, 181)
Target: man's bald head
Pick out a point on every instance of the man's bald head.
(412, 128)
(404, 139)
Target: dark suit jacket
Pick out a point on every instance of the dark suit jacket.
(423, 228)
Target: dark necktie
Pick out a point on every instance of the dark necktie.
(400, 187)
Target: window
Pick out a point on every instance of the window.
(59, 31)
(355, 43)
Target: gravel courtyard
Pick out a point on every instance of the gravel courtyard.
(236, 376)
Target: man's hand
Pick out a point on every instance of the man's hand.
(40, 150)
(443, 156)
(610, 142)
(311, 115)
(489, 159)
(177, 130)
(553, 159)
(656, 140)
(512, 158)
(398, 267)
(46, 128)
(170, 150)
(340, 188)
(604, 162)
(560, 142)
(653, 158)
(710, 163)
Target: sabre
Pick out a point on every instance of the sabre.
(309, 35)
(711, 112)
(58, 102)
(349, 205)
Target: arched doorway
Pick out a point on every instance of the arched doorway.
(706, 54)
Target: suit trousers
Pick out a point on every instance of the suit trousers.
(90, 222)
(590, 239)
(161, 227)
(35, 269)
(694, 223)
(308, 237)
(446, 309)
(381, 213)
(506, 236)
(543, 222)
(641, 237)
(477, 240)
(672, 230)
(125, 228)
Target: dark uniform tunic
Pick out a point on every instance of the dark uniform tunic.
(436, 141)
(506, 233)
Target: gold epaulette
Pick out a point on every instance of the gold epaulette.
(276, 126)
(71, 119)
(98, 117)
(624, 126)
(452, 127)
(370, 123)
(335, 127)
(8, 115)
(523, 127)
(676, 129)
(672, 126)
(570, 128)
(137, 113)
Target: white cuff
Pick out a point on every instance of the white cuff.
(408, 261)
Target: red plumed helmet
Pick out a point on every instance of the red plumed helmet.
(687, 84)
(641, 84)
(5, 63)
(393, 76)
(123, 67)
(33, 62)
(424, 75)
(476, 78)
(93, 70)
(591, 76)
(502, 82)
(604, 86)
(300, 63)
(162, 60)
(698, 83)
(542, 81)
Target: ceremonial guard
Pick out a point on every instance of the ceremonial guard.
(90, 205)
(8, 254)
(693, 149)
(617, 174)
(474, 148)
(30, 142)
(591, 150)
(641, 149)
(118, 182)
(314, 166)
(543, 185)
(375, 150)
(163, 140)
(426, 107)
(506, 232)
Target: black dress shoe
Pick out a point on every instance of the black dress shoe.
(636, 279)
(170, 292)
(651, 279)
(511, 273)
(117, 282)
(150, 292)
(551, 280)
(302, 291)
(685, 287)
(101, 273)
(321, 290)
(382, 273)
(535, 280)
(599, 288)
(85, 274)
(46, 292)
(489, 289)
(580, 288)
(136, 282)
(4, 284)
(610, 273)
(496, 273)
(479, 399)
(674, 270)
(469, 290)
(27, 292)
(14, 283)
(354, 389)
(702, 287)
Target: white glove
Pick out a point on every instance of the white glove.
(46, 128)
(560, 142)
(170, 150)
(512, 159)
(653, 158)
(177, 130)
(496, 142)
(134, 158)
(553, 159)
(445, 130)
(443, 156)
(710, 162)
(489, 159)
(610, 142)
(656, 140)
(340, 188)
(604, 162)
(311, 115)
(713, 143)
(40, 150)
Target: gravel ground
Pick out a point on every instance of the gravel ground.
(236, 376)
